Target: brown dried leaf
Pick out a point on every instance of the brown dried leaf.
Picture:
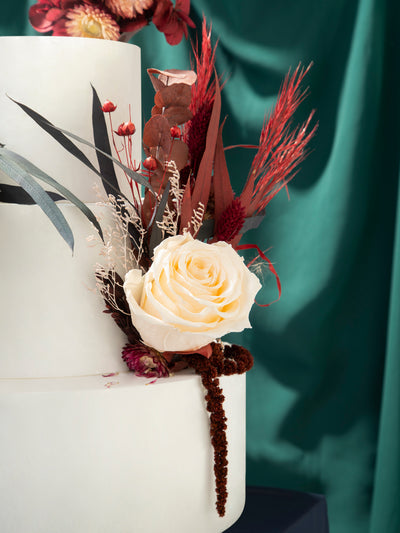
(179, 153)
(159, 154)
(155, 110)
(178, 94)
(157, 133)
(175, 115)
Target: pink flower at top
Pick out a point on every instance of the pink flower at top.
(50, 15)
(128, 9)
(93, 22)
(111, 19)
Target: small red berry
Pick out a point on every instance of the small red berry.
(175, 132)
(126, 128)
(150, 163)
(108, 107)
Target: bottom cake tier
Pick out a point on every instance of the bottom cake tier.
(116, 453)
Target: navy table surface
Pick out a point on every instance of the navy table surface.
(270, 510)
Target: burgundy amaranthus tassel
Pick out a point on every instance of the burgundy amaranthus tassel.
(231, 221)
(196, 136)
(224, 361)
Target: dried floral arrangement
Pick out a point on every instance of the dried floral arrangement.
(172, 277)
(117, 20)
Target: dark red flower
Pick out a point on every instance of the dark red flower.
(175, 132)
(173, 21)
(144, 361)
(150, 163)
(50, 15)
(126, 129)
(108, 107)
(130, 27)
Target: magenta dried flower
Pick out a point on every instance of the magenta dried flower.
(145, 361)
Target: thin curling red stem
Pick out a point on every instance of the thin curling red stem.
(120, 160)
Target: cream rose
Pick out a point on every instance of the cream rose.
(193, 293)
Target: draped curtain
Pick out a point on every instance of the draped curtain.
(323, 411)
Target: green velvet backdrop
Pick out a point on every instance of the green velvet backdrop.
(323, 398)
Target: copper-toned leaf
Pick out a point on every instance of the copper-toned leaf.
(157, 177)
(177, 115)
(179, 153)
(177, 94)
(157, 133)
(155, 110)
(174, 114)
(159, 154)
(223, 192)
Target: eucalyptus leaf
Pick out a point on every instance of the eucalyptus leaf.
(206, 231)
(207, 228)
(40, 196)
(252, 222)
(68, 195)
(13, 194)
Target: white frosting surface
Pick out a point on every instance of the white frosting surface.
(117, 454)
(53, 75)
(52, 320)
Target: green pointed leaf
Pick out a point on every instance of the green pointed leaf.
(156, 232)
(61, 136)
(13, 194)
(42, 199)
(101, 141)
(35, 171)
(252, 222)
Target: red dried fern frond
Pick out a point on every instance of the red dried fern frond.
(280, 150)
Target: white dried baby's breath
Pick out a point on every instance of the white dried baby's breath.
(120, 250)
(197, 218)
(169, 222)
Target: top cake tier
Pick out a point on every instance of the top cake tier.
(53, 75)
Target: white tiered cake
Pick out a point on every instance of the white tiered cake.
(86, 445)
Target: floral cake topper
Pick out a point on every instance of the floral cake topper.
(171, 276)
(111, 19)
